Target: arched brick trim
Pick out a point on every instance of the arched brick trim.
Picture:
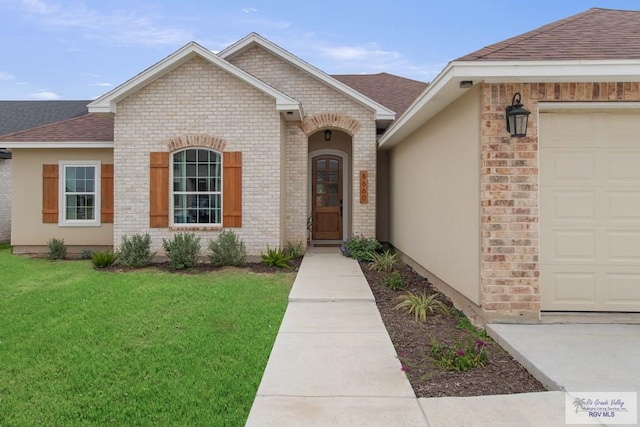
(197, 140)
(311, 124)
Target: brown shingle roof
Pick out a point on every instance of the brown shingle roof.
(392, 91)
(90, 127)
(594, 34)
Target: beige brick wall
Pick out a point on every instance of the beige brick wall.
(199, 98)
(316, 98)
(509, 191)
(5, 200)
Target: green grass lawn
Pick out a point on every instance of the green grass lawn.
(86, 347)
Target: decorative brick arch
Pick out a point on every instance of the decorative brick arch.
(311, 124)
(196, 140)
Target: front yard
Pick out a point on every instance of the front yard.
(86, 347)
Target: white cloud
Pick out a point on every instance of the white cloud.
(249, 10)
(44, 95)
(119, 27)
(5, 76)
(102, 84)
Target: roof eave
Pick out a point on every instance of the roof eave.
(253, 39)
(56, 144)
(445, 88)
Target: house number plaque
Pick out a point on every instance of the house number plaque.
(364, 187)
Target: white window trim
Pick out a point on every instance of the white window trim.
(62, 200)
(172, 222)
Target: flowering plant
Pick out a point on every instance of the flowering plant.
(470, 353)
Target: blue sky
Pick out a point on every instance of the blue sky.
(60, 49)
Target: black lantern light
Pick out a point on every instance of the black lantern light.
(517, 117)
(327, 135)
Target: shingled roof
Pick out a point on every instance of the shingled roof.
(86, 128)
(20, 115)
(392, 91)
(596, 34)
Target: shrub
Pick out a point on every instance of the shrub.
(420, 305)
(275, 258)
(104, 259)
(360, 247)
(57, 249)
(294, 250)
(182, 250)
(470, 353)
(394, 281)
(86, 254)
(136, 251)
(465, 325)
(383, 262)
(227, 249)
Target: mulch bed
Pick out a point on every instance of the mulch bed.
(501, 375)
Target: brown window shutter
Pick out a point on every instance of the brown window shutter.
(232, 189)
(50, 194)
(159, 190)
(106, 199)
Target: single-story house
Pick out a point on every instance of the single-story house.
(256, 140)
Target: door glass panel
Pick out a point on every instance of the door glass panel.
(332, 201)
(332, 188)
(321, 177)
(320, 200)
(332, 177)
(322, 164)
(333, 165)
(320, 189)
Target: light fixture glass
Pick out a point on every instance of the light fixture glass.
(517, 117)
(327, 135)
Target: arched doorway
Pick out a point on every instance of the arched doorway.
(327, 197)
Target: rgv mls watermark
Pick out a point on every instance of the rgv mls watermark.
(610, 407)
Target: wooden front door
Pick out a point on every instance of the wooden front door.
(327, 198)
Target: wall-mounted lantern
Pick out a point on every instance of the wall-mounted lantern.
(327, 135)
(517, 117)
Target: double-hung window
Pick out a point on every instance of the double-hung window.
(80, 193)
(197, 187)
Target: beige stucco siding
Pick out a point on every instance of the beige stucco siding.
(26, 226)
(5, 200)
(316, 98)
(434, 195)
(199, 98)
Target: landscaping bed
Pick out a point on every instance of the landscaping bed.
(412, 340)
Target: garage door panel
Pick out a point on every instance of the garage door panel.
(590, 211)
(568, 246)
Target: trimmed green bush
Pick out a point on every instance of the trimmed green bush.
(86, 254)
(57, 249)
(394, 281)
(227, 250)
(136, 251)
(183, 250)
(104, 259)
(360, 247)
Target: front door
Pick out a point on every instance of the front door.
(327, 198)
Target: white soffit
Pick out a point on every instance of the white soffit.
(57, 144)
(253, 39)
(107, 103)
(445, 88)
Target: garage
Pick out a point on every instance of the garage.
(589, 210)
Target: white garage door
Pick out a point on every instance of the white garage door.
(590, 211)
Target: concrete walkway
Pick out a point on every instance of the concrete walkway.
(333, 363)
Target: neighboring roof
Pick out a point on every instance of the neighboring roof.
(20, 115)
(89, 129)
(582, 48)
(382, 113)
(394, 92)
(594, 34)
(107, 103)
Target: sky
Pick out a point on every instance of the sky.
(66, 49)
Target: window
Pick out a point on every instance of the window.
(197, 187)
(80, 193)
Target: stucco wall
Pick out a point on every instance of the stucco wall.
(435, 195)
(26, 227)
(199, 98)
(5, 200)
(316, 98)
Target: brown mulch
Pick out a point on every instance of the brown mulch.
(501, 375)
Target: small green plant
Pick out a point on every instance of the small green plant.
(293, 249)
(86, 254)
(360, 247)
(227, 250)
(136, 251)
(465, 325)
(383, 261)
(104, 259)
(394, 281)
(462, 356)
(421, 305)
(183, 250)
(57, 249)
(275, 258)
